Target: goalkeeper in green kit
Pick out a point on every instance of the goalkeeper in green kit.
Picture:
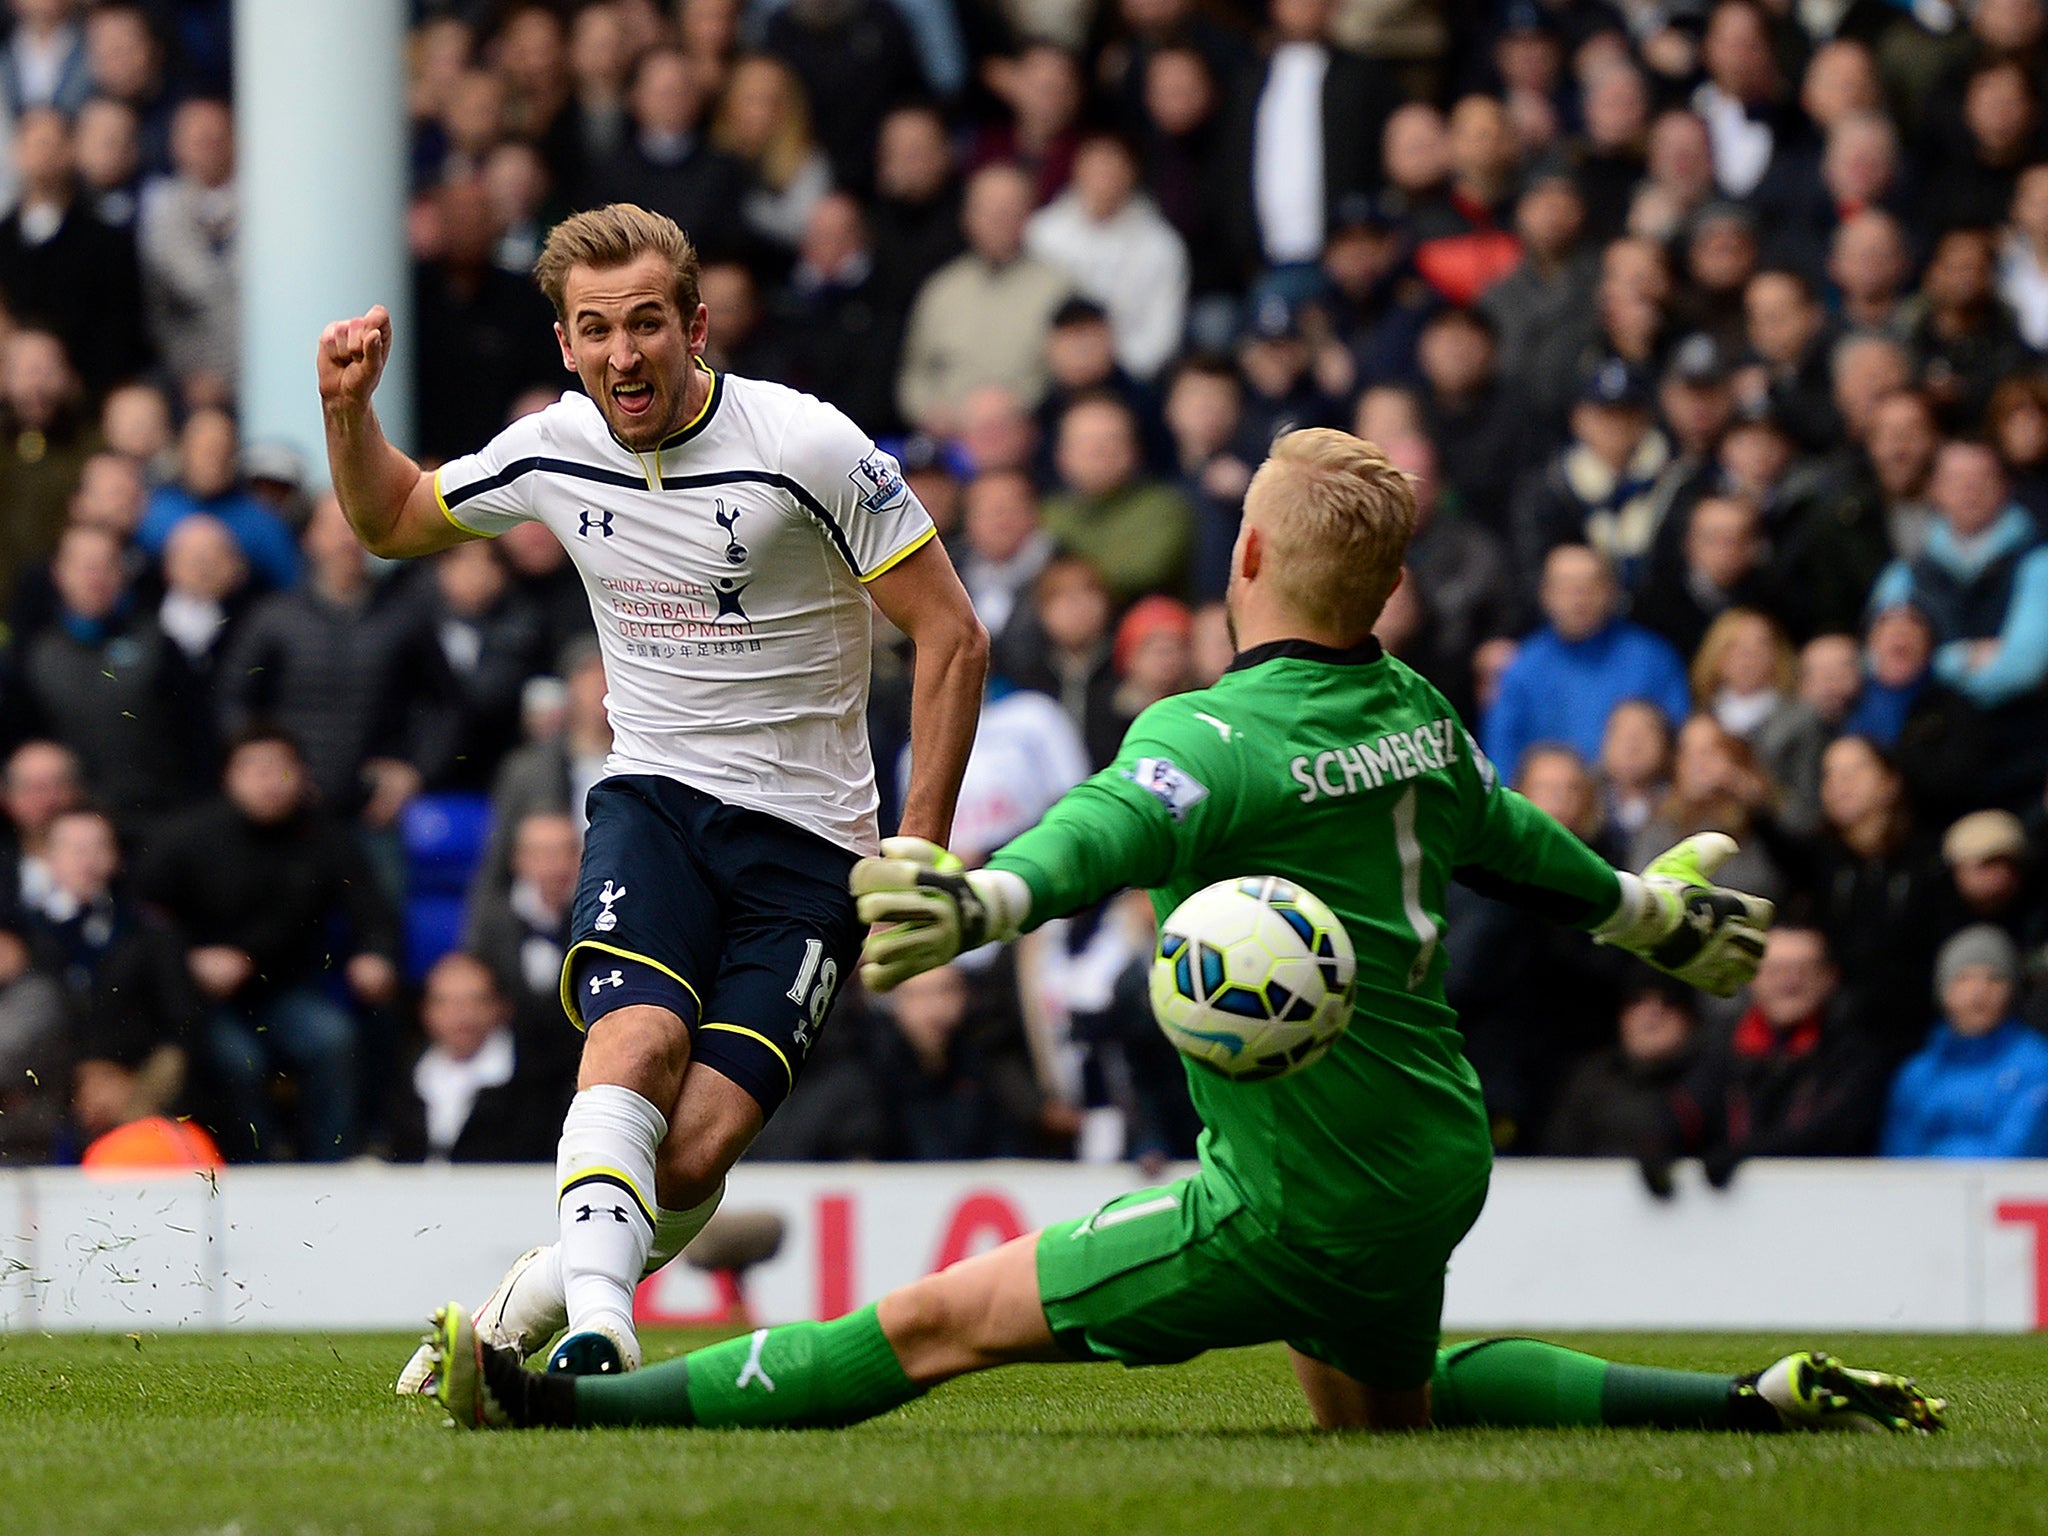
(1328, 1202)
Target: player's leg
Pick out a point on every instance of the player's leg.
(644, 923)
(1526, 1383)
(1339, 1401)
(788, 935)
(982, 1312)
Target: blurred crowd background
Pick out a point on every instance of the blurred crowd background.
(1711, 333)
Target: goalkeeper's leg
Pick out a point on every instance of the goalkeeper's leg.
(1528, 1384)
(982, 1312)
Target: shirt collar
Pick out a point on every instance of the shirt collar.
(1364, 653)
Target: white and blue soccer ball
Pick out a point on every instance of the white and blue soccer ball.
(1253, 978)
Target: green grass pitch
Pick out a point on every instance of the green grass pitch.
(298, 1435)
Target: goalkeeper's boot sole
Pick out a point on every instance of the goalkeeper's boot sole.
(591, 1352)
(517, 1316)
(1813, 1390)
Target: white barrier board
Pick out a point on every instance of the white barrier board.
(1946, 1246)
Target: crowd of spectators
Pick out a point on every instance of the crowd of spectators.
(1713, 334)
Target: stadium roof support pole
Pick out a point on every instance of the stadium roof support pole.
(320, 121)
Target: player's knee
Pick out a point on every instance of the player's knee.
(695, 1158)
(642, 1048)
(927, 1328)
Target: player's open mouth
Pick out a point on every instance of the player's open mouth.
(633, 399)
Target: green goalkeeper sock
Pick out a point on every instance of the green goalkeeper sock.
(1527, 1384)
(799, 1376)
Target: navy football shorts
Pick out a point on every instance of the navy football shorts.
(734, 919)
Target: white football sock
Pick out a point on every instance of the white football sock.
(604, 1170)
(538, 1307)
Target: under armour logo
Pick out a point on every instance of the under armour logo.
(618, 1214)
(599, 983)
(607, 920)
(735, 551)
(601, 521)
(752, 1371)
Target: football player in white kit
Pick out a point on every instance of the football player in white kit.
(730, 534)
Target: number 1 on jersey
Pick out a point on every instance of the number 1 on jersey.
(1409, 847)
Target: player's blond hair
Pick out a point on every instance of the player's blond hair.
(612, 236)
(1336, 517)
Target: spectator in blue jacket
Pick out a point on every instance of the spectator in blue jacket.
(1982, 578)
(1567, 678)
(209, 481)
(1979, 1087)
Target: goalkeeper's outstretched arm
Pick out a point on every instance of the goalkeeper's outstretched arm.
(1672, 915)
(1098, 839)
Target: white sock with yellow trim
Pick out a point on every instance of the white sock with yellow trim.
(604, 1170)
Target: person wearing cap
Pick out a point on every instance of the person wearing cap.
(1695, 402)
(1990, 869)
(1152, 655)
(1117, 248)
(1979, 1087)
(1277, 360)
(1376, 304)
(1602, 487)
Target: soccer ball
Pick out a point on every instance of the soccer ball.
(1252, 978)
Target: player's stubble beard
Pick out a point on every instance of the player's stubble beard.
(645, 433)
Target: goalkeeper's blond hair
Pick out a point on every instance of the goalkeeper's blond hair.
(1336, 517)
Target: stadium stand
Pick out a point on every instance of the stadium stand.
(1713, 333)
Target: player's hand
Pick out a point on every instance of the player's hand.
(352, 357)
(1706, 935)
(927, 910)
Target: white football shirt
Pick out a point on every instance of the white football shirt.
(724, 571)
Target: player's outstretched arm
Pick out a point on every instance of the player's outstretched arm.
(923, 597)
(389, 499)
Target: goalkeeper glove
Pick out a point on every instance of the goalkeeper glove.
(1672, 915)
(929, 909)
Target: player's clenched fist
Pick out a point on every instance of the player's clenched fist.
(352, 357)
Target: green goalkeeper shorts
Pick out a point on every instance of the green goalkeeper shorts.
(1163, 1274)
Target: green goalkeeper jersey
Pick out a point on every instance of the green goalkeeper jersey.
(1345, 772)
